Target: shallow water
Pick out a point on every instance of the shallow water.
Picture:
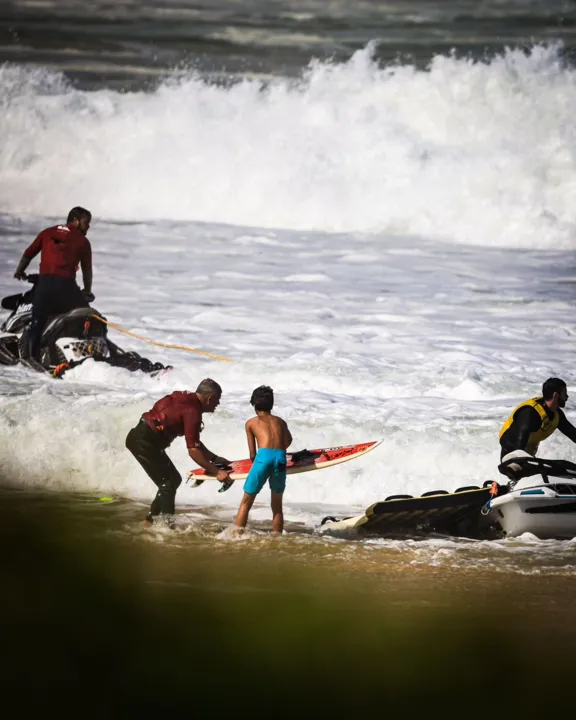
(208, 530)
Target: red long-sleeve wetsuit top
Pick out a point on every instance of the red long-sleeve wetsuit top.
(174, 415)
(63, 249)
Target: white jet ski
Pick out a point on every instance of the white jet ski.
(541, 498)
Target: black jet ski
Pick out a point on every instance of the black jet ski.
(67, 341)
(457, 513)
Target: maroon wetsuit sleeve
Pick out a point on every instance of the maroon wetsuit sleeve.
(192, 425)
(33, 249)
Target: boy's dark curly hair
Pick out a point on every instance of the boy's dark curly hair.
(263, 398)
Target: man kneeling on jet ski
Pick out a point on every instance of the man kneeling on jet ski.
(63, 248)
(64, 331)
(535, 420)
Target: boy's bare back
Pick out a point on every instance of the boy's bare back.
(269, 431)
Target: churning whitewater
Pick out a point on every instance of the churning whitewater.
(470, 152)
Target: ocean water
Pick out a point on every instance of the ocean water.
(131, 44)
(390, 244)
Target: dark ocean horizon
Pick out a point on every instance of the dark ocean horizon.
(130, 44)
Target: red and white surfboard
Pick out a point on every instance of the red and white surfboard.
(298, 462)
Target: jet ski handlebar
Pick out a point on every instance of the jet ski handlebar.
(31, 277)
(522, 467)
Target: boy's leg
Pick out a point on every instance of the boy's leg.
(277, 514)
(245, 505)
(254, 483)
(277, 487)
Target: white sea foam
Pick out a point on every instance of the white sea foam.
(471, 152)
(404, 348)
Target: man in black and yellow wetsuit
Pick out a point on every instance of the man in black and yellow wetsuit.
(536, 419)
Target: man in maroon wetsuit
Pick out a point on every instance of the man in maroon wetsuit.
(174, 415)
(63, 248)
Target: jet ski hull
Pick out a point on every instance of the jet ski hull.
(546, 510)
(457, 514)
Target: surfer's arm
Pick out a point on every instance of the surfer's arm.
(86, 265)
(22, 265)
(287, 436)
(251, 441)
(566, 427)
(201, 457)
(214, 458)
(28, 255)
(196, 448)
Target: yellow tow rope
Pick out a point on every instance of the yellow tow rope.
(160, 344)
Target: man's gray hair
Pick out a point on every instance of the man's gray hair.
(209, 387)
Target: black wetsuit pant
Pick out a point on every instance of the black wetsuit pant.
(53, 295)
(147, 447)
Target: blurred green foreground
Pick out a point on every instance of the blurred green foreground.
(115, 624)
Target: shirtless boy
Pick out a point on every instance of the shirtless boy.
(269, 463)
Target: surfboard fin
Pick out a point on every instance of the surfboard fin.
(197, 481)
